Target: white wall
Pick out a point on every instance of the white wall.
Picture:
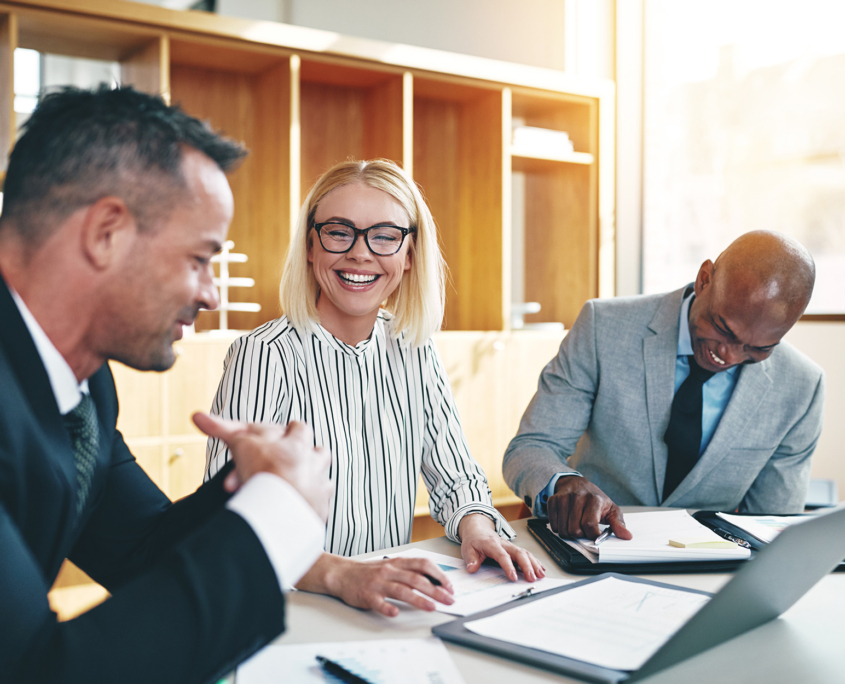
(824, 342)
(573, 35)
(530, 32)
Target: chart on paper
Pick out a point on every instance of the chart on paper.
(636, 618)
(385, 661)
(486, 588)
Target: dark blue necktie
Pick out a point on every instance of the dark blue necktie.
(683, 436)
(81, 424)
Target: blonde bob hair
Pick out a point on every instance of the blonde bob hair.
(417, 303)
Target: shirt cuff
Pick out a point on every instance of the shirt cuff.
(503, 529)
(287, 527)
(540, 501)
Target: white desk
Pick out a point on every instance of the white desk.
(806, 645)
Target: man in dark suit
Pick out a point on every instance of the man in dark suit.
(114, 205)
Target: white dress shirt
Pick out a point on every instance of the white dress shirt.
(285, 524)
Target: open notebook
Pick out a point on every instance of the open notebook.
(652, 533)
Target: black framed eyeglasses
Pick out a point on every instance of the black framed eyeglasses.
(338, 238)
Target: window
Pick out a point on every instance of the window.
(744, 129)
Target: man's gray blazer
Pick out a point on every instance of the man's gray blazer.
(603, 404)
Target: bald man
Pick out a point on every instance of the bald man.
(689, 399)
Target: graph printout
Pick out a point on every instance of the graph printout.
(485, 588)
(612, 623)
(384, 661)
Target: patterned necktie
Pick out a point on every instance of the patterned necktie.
(81, 424)
(683, 436)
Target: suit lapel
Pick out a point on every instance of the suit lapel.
(753, 384)
(35, 385)
(659, 352)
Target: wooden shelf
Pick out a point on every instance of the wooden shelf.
(458, 161)
(570, 158)
(302, 100)
(347, 113)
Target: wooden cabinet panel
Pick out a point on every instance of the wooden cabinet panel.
(141, 400)
(151, 459)
(193, 381)
(148, 68)
(252, 108)
(347, 113)
(8, 43)
(493, 377)
(458, 161)
(185, 466)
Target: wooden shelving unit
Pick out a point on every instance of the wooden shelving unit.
(302, 100)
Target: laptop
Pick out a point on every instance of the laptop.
(761, 590)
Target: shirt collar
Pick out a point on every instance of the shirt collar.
(684, 341)
(66, 389)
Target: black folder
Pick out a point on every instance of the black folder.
(457, 633)
(575, 563)
(781, 573)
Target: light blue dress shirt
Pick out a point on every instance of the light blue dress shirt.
(716, 393)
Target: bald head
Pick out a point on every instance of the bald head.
(749, 299)
(770, 270)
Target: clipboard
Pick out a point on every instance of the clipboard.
(575, 563)
(456, 633)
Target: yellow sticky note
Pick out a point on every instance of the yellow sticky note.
(699, 543)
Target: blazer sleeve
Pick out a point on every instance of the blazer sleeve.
(781, 486)
(455, 481)
(558, 414)
(194, 592)
(209, 604)
(134, 523)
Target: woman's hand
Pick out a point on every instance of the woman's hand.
(479, 541)
(368, 584)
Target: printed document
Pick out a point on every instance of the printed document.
(652, 532)
(411, 661)
(486, 588)
(612, 623)
(764, 527)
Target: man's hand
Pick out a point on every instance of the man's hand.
(287, 451)
(368, 584)
(578, 506)
(479, 541)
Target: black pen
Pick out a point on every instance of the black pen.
(724, 534)
(340, 672)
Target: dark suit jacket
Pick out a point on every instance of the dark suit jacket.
(193, 591)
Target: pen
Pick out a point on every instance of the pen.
(724, 534)
(604, 535)
(436, 582)
(340, 672)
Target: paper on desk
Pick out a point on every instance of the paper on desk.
(612, 623)
(411, 661)
(486, 588)
(764, 527)
(652, 531)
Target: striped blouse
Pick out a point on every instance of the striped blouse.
(385, 412)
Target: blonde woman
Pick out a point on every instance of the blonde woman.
(370, 382)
